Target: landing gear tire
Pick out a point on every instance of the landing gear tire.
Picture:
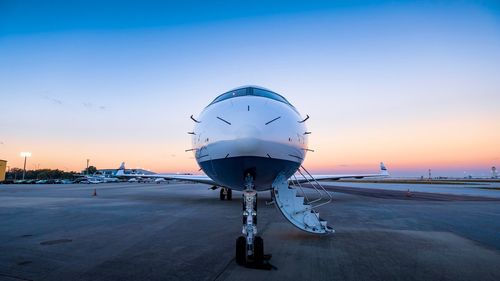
(222, 196)
(229, 195)
(241, 250)
(258, 250)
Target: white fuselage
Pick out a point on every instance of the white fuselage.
(245, 133)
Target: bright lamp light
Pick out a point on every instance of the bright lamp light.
(25, 154)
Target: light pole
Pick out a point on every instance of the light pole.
(25, 155)
(88, 160)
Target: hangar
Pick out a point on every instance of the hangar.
(3, 167)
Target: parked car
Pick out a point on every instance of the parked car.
(79, 180)
(7, 182)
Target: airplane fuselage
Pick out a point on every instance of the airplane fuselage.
(249, 131)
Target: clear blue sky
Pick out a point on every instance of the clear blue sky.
(413, 83)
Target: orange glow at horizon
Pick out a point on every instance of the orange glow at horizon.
(444, 144)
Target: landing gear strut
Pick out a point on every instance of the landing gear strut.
(250, 247)
(226, 193)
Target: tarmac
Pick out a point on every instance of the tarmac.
(464, 191)
(138, 231)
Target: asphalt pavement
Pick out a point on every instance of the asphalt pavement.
(133, 231)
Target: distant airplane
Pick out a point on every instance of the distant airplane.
(96, 179)
(251, 139)
(100, 177)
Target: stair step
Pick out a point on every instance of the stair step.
(299, 200)
(296, 211)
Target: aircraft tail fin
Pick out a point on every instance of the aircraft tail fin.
(383, 169)
(121, 170)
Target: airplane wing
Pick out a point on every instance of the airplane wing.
(193, 178)
(383, 173)
(206, 180)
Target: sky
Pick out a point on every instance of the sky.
(415, 84)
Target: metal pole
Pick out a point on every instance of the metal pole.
(24, 170)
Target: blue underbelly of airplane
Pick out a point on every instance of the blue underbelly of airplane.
(230, 172)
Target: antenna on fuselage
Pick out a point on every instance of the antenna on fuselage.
(192, 118)
(307, 117)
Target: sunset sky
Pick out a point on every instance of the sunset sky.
(415, 84)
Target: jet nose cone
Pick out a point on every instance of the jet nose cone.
(247, 131)
(247, 139)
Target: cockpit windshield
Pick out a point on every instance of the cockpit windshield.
(250, 91)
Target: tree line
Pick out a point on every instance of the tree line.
(46, 174)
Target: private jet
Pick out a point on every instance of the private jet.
(251, 139)
(96, 179)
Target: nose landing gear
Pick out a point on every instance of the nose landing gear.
(250, 247)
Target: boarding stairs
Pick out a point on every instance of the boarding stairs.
(300, 209)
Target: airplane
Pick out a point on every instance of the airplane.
(97, 178)
(251, 139)
(136, 176)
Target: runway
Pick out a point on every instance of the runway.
(133, 231)
(433, 190)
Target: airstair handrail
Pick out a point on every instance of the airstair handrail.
(329, 199)
(324, 197)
